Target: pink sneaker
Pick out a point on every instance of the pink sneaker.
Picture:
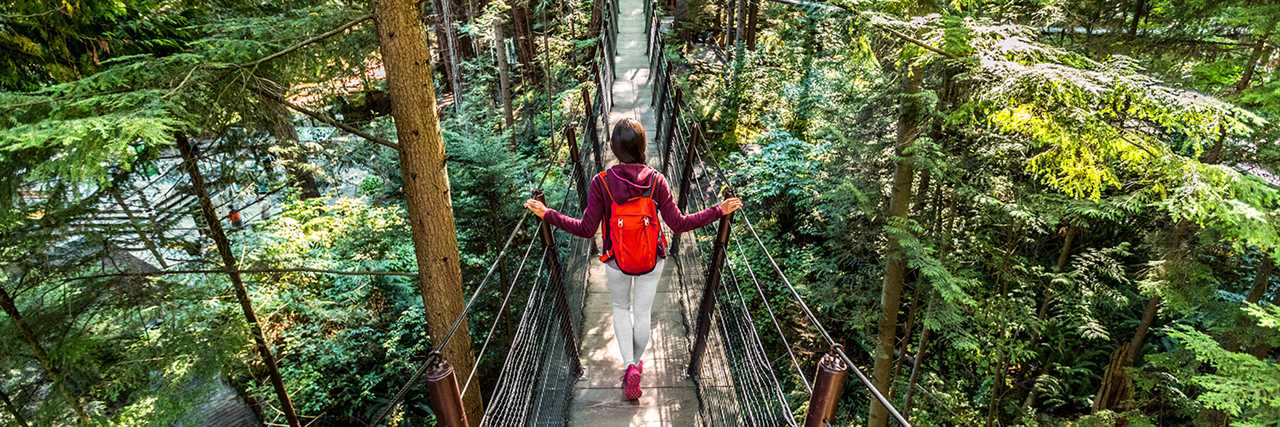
(631, 382)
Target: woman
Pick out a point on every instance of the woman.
(631, 295)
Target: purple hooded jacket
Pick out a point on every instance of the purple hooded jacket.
(627, 180)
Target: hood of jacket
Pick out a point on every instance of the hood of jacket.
(627, 180)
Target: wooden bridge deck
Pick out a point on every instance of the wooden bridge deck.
(670, 397)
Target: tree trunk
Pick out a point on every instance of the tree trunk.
(921, 203)
(753, 16)
(1139, 10)
(1116, 386)
(37, 350)
(525, 47)
(915, 370)
(739, 28)
(730, 23)
(1260, 49)
(142, 235)
(684, 18)
(295, 159)
(466, 44)
(13, 409)
(997, 387)
(504, 76)
(1261, 281)
(444, 16)
(214, 226)
(905, 342)
(426, 182)
(1064, 256)
(909, 116)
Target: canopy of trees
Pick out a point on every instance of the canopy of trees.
(1011, 212)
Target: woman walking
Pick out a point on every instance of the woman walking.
(623, 202)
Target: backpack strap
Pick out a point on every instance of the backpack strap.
(603, 175)
(653, 180)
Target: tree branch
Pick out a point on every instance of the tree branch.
(306, 42)
(327, 120)
(895, 33)
(246, 271)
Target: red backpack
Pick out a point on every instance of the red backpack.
(633, 230)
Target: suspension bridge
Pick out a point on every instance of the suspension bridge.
(706, 364)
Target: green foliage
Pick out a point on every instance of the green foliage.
(350, 340)
(1061, 180)
(1238, 384)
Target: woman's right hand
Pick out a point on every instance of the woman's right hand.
(538, 208)
(729, 205)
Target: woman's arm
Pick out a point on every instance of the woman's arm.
(591, 215)
(678, 221)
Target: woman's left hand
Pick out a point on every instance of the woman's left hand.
(538, 208)
(729, 205)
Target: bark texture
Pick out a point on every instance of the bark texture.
(1117, 386)
(407, 60)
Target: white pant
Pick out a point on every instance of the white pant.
(632, 300)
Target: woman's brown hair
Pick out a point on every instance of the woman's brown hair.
(628, 141)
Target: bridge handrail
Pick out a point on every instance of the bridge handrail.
(671, 113)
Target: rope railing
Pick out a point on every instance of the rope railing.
(536, 380)
(752, 373)
(434, 357)
(535, 383)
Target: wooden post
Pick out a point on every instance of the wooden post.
(579, 176)
(685, 180)
(648, 27)
(667, 130)
(444, 396)
(557, 282)
(659, 105)
(592, 127)
(708, 303)
(214, 224)
(579, 173)
(827, 386)
(657, 74)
